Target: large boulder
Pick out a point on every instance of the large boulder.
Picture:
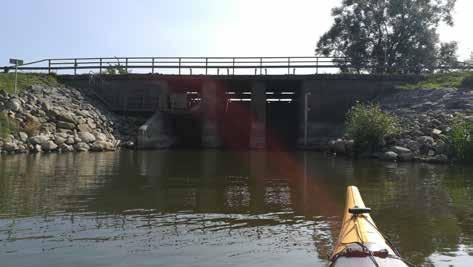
(81, 147)
(65, 125)
(389, 156)
(14, 104)
(39, 139)
(86, 137)
(10, 147)
(23, 136)
(49, 146)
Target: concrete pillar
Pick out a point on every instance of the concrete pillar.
(210, 101)
(258, 113)
(157, 131)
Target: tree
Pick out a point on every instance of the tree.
(447, 56)
(386, 36)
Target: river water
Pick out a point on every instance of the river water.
(211, 208)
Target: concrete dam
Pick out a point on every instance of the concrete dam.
(225, 111)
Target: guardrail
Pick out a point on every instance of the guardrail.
(226, 65)
(185, 65)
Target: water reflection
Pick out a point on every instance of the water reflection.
(222, 208)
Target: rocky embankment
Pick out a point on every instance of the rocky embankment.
(60, 119)
(425, 118)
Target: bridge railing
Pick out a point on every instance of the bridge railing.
(185, 65)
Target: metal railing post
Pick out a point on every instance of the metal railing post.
(75, 66)
(152, 65)
(233, 67)
(288, 66)
(179, 66)
(317, 65)
(100, 66)
(126, 65)
(49, 66)
(260, 66)
(206, 65)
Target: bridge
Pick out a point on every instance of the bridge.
(254, 102)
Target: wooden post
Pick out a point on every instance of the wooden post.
(206, 65)
(49, 66)
(317, 66)
(75, 66)
(233, 66)
(288, 66)
(126, 65)
(100, 67)
(261, 66)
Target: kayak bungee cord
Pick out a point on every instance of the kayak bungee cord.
(366, 252)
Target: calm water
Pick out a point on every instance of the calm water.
(208, 208)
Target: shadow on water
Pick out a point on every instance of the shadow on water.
(212, 207)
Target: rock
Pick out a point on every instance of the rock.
(65, 125)
(425, 140)
(438, 159)
(81, 147)
(389, 156)
(86, 137)
(23, 136)
(39, 139)
(70, 140)
(10, 147)
(406, 156)
(436, 132)
(400, 150)
(14, 104)
(49, 146)
(84, 128)
(59, 140)
(36, 148)
(100, 137)
(129, 145)
(66, 148)
(101, 146)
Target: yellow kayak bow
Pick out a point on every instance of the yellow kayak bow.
(360, 243)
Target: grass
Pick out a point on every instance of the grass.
(442, 80)
(7, 125)
(7, 80)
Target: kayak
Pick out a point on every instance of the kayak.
(360, 243)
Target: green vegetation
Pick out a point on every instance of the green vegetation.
(461, 139)
(7, 125)
(7, 80)
(444, 80)
(368, 125)
(115, 69)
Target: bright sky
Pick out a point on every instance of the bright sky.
(37, 29)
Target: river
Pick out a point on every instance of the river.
(213, 208)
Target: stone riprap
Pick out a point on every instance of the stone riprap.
(61, 119)
(425, 116)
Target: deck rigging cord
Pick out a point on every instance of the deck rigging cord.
(366, 252)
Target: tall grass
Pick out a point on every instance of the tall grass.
(461, 140)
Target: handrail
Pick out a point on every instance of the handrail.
(252, 63)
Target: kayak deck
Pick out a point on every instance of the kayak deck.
(360, 243)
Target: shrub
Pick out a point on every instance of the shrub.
(368, 125)
(7, 125)
(461, 140)
(467, 82)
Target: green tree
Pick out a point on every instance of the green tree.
(448, 55)
(393, 36)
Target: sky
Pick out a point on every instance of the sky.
(37, 29)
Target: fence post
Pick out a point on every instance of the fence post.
(288, 66)
(260, 66)
(179, 66)
(49, 66)
(75, 66)
(100, 67)
(126, 65)
(233, 66)
(317, 65)
(152, 65)
(206, 65)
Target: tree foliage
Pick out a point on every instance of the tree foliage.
(387, 36)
